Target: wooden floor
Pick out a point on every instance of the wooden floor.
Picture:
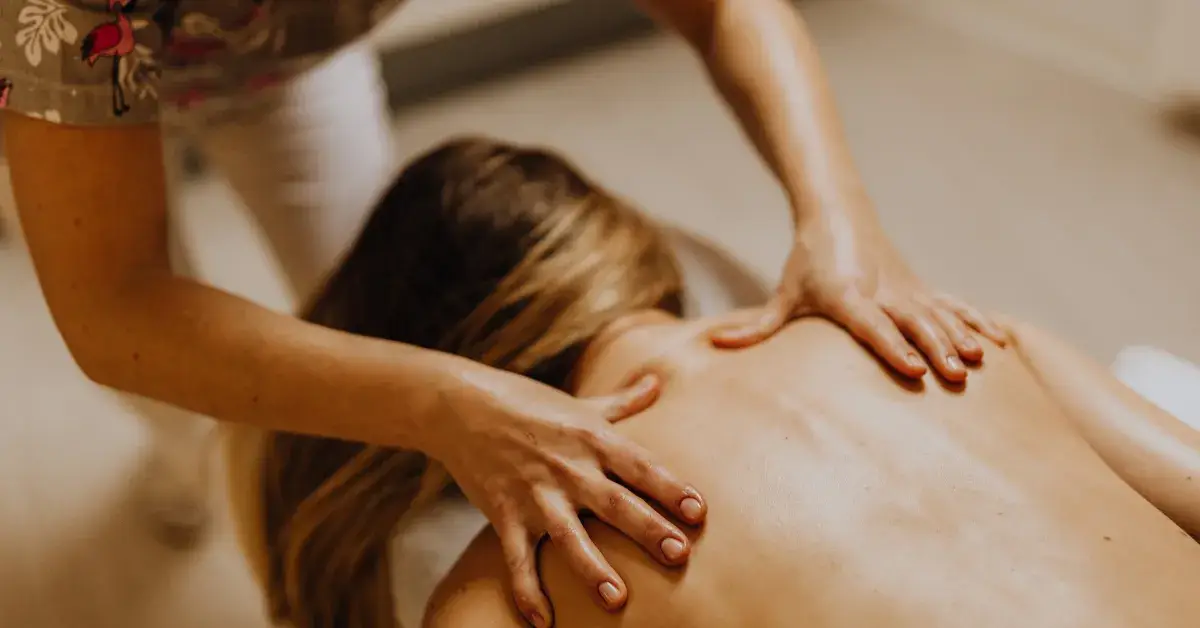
(1017, 186)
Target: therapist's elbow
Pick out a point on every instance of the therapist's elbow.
(109, 319)
(100, 339)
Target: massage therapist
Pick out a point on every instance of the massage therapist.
(285, 99)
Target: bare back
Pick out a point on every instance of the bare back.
(839, 498)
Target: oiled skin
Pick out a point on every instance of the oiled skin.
(840, 499)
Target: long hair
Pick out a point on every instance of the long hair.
(501, 254)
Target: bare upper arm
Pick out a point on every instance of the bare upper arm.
(1156, 453)
(92, 203)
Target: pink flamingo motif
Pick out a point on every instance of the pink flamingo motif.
(113, 40)
(5, 89)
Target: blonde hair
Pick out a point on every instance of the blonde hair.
(504, 255)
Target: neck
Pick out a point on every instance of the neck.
(624, 326)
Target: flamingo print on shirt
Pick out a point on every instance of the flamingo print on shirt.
(113, 40)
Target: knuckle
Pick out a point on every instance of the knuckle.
(616, 505)
(895, 333)
(954, 330)
(900, 313)
(520, 565)
(557, 463)
(497, 494)
(643, 466)
(560, 532)
(920, 313)
(568, 472)
(594, 439)
(612, 449)
(927, 325)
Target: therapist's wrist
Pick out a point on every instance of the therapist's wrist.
(836, 203)
(462, 392)
(844, 219)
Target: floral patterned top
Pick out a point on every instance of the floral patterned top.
(103, 62)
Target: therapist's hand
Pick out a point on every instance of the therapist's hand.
(531, 458)
(862, 283)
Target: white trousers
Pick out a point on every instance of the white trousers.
(308, 160)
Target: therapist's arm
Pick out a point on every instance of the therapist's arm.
(763, 61)
(92, 203)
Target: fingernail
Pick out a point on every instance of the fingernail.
(914, 360)
(691, 508)
(672, 548)
(954, 362)
(610, 594)
(537, 620)
(969, 343)
(733, 333)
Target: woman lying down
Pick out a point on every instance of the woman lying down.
(1043, 494)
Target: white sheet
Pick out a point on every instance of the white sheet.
(429, 543)
(1168, 381)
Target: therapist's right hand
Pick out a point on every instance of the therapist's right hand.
(532, 457)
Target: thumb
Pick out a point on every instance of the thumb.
(636, 397)
(762, 324)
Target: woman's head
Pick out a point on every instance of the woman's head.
(501, 254)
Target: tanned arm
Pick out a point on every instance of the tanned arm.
(1154, 452)
(762, 59)
(92, 202)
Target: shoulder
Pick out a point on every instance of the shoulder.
(645, 342)
(476, 592)
(469, 608)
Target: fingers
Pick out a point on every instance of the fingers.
(866, 321)
(634, 467)
(567, 534)
(761, 324)
(976, 319)
(960, 335)
(520, 555)
(635, 518)
(640, 395)
(921, 326)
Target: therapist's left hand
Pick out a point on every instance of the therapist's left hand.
(862, 283)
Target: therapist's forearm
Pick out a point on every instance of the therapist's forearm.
(208, 351)
(760, 56)
(96, 230)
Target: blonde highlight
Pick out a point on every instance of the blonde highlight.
(500, 254)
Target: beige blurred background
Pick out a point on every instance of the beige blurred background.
(1014, 148)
